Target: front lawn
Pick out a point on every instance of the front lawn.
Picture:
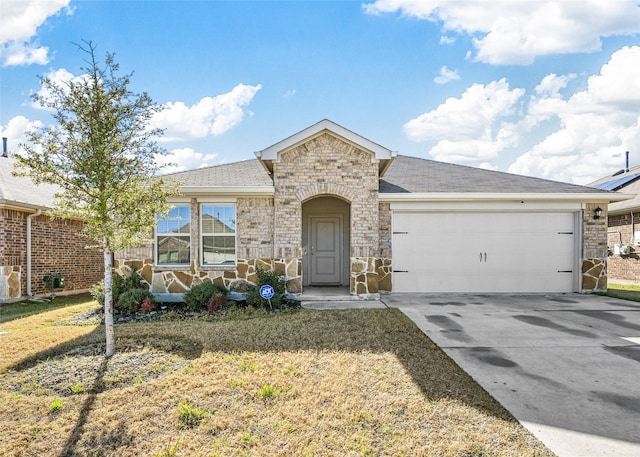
(307, 383)
(624, 291)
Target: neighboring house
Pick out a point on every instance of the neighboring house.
(32, 245)
(327, 207)
(623, 237)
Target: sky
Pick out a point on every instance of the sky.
(534, 87)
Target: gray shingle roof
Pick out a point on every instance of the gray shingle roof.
(412, 174)
(631, 187)
(249, 173)
(22, 191)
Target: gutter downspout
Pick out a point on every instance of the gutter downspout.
(29, 217)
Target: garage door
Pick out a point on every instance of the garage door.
(483, 252)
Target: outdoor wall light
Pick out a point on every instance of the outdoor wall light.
(597, 213)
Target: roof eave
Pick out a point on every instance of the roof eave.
(499, 196)
(244, 191)
(19, 206)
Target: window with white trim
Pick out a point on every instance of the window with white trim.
(218, 234)
(173, 237)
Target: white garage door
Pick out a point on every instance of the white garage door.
(483, 252)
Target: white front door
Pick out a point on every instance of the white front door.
(325, 250)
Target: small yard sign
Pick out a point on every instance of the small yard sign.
(267, 292)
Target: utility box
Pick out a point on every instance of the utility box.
(621, 249)
(55, 281)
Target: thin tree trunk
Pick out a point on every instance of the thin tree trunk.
(108, 303)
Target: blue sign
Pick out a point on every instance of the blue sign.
(267, 292)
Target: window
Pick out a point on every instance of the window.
(173, 237)
(218, 234)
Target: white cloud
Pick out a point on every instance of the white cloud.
(597, 125)
(19, 22)
(447, 39)
(446, 76)
(487, 166)
(185, 159)
(209, 116)
(16, 131)
(290, 93)
(17, 53)
(508, 32)
(471, 128)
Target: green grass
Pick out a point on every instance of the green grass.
(624, 291)
(28, 308)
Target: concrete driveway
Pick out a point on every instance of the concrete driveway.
(567, 366)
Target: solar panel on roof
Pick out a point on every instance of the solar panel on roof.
(616, 183)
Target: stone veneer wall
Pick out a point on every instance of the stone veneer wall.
(235, 279)
(325, 165)
(623, 267)
(56, 245)
(594, 249)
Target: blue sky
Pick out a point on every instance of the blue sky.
(541, 88)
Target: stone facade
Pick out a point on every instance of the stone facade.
(594, 249)
(235, 279)
(626, 267)
(56, 245)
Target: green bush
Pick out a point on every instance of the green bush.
(128, 292)
(131, 299)
(199, 295)
(97, 292)
(268, 277)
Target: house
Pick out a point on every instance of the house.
(328, 207)
(623, 236)
(32, 245)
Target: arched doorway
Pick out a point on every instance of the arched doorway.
(326, 225)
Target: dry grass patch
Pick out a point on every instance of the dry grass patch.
(316, 383)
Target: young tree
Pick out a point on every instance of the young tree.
(102, 155)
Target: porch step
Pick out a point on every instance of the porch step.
(332, 294)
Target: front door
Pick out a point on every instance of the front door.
(325, 250)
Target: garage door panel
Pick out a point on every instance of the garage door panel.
(483, 252)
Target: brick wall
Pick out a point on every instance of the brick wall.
(326, 166)
(56, 245)
(255, 226)
(623, 267)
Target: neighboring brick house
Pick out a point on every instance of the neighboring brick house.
(623, 236)
(327, 207)
(32, 245)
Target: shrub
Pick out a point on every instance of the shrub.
(131, 300)
(217, 303)
(271, 278)
(128, 292)
(147, 306)
(97, 292)
(199, 295)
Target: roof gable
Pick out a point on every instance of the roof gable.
(379, 153)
